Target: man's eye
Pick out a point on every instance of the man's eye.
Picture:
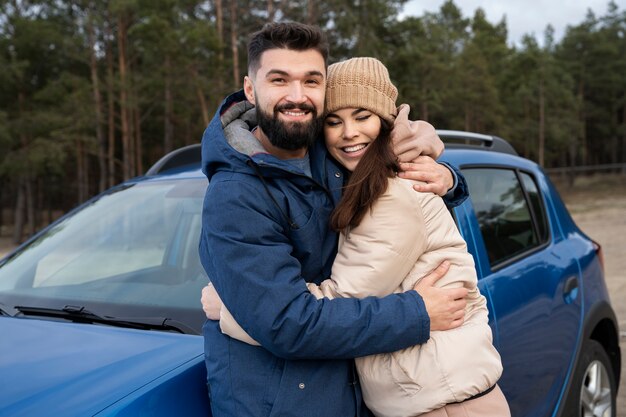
(313, 82)
(277, 80)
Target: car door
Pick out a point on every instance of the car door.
(532, 283)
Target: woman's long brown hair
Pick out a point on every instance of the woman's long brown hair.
(367, 182)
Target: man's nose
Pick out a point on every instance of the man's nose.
(296, 93)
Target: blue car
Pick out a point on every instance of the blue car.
(100, 312)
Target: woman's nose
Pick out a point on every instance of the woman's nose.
(349, 131)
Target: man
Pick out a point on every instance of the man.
(265, 233)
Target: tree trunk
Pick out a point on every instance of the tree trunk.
(30, 206)
(168, 136)
(219, 21)
(311, 13)
(233, 42)
(40, 209)
(2, 188)
(200, 94)
(624, 134)
(583, 122)
(97, 98)
(133, 109)
(219, 17)
(424, 105)
(80, 172)
(18, 219)
(529, 121)
(24, 198)
(111, 110)
(615, 134)
(122, 34)
(542, 138)
(138, 145)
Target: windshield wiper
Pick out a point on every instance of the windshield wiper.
(3, 312)
(80, 314)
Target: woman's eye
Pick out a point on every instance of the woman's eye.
(332, 123)
(363, 117)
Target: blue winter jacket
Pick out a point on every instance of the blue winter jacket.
(265, 233)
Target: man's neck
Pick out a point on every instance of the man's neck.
(278, 152)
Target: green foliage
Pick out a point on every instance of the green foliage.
(457, 72)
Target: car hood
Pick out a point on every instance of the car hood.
(57, 368)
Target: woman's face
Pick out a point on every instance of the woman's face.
(348, 133)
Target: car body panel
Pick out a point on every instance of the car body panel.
(89, 367)
(55, 367)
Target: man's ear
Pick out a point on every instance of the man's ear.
(248, 89)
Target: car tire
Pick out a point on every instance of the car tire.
(593, 388)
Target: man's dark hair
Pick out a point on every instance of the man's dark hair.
(287, 35)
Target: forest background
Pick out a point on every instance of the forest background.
(92, 92)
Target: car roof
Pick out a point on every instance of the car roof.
(458, 139)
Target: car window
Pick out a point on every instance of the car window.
(509, 211)
(134, 246)
(536, 205)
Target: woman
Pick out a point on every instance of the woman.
(390, 237)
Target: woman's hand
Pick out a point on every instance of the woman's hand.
(434, 177)
(211, 302)
(414, 138)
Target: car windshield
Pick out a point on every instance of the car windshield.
(132, 252)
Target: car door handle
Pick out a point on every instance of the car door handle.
(570, 289)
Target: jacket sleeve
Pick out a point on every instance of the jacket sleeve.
(459, 193)
(248, 257)
(376, 256)
(230, 327)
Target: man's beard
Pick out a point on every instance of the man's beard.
(290, 136)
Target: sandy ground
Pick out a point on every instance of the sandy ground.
(598, 206)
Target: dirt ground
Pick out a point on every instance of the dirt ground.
(598, 205)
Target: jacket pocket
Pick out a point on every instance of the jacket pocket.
(468, 359)
(310, 244)
(414, 367)
(399, 383)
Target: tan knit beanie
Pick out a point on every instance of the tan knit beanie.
(361, 83)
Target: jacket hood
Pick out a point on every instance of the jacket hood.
(62, 369)
(228, 142)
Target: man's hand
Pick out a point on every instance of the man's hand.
(445, 306)
(414, 138)
(211, 302)
(436, 177)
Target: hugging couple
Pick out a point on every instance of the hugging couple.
(340, 285)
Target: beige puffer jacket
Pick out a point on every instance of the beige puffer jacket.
(405, 236)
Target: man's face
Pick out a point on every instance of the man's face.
(288, 91)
